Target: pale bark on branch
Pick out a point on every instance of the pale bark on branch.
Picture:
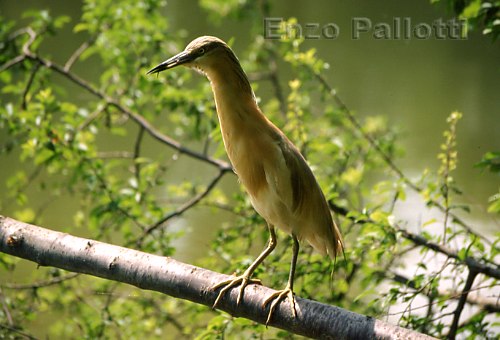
(166, 275)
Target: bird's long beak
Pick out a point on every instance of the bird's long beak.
(176, 60)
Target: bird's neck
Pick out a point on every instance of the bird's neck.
(234, 98)
(240, 118)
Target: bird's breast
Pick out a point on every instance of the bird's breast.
(256, 158)
(246, 156)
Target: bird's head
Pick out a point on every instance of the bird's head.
(199, 54)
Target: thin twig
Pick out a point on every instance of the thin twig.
(114, 154)
(21, 31)
(461, 304)
(41, 284)
(134, 116)
(169, 141)
(183, 208)
(273, 75)
(32, 37)
(458, 295)
(91, 117)
(471, 262)
(429, 314)
(112, 198)
(422, 289)
(78, 52)
(487, 304)
(18, 332)
(275, 81)
(28, 86)
(387, 159)
(446, 196)
(5, 309)
(30, 180)
(479, 265)
(106, 315)
(14, 61)
(137, 153)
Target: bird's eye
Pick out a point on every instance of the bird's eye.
(201, 51)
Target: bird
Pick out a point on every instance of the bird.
(280, 183)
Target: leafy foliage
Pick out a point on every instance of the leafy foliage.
(491, 161)
(111, 148)
(480, 15)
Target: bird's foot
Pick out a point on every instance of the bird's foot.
(277, 297)
(243, 280)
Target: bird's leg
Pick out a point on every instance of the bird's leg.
(288, 291)
(244, 279)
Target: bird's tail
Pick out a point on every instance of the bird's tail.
(336, 244)
(327, 242)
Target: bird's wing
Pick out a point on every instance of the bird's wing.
(300, 182)
(300, 193)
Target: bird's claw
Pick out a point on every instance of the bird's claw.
(242, 280)
(277, 297)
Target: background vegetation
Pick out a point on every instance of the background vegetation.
(134, 154)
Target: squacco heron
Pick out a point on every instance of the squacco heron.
(282, 187)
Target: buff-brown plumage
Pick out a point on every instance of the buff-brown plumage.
(281, 186)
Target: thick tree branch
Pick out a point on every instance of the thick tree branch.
(168, 276)
(472, 263)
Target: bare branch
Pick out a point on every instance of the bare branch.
(18, 332)
(111, 102)
(42, 284)
(5, 309)
(112, 198)
(461, 304)
(183, 208)
(387, 159)
(471, 262)
(91, 117)
(487, 304)
(137, 153)
(115, 154)
(14, 61)
(78, 52)
(30, 180)
(168, 276)
(169, 141)
(479, 265)
(32, 36)
(28, 85)
(273, 78)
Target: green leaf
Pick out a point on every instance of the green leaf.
(490, 161)
(463, 253)
(43, 156)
